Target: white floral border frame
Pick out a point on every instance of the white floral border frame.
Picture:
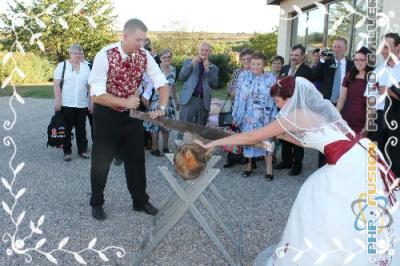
(16, 243)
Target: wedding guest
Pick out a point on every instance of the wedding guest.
(292, 155)
(245, 61)
(72, 100)
(330, 71)
(276, 65)
(169, 72)
(352, 103)
(199, 77)
(276, 68)
(254, 108)
(388, 101)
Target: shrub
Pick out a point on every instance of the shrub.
(37, 69)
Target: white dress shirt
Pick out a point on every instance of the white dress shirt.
(387, 77)
(75, 91)
(147, 87)
(98, 76)
(342, 70)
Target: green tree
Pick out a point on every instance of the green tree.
(51, 26)
(265, 43)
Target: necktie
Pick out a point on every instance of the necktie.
(336, 83)
(292, 71)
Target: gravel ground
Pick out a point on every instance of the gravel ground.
(60, 191)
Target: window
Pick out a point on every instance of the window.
(339, 21)
(308, 30)
(360, 31)
(315, 35)
(299, 30)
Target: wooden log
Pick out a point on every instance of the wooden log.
(190, 161)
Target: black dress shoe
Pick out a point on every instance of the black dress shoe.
(269, 177)
(98, 213)
(166, 150)
(247, 173)
(281, 166)
(253, 163)
(156, 153)
(147, 208)
(228, 165)
(296, 170)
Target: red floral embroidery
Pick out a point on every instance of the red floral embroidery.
(124, 76)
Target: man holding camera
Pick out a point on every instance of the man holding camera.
(199, 77)
(330, 71)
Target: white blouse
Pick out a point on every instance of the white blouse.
(75, 92)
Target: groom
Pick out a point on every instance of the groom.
(115, 78)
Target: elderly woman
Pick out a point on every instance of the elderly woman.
(72, 100)
(245, 59)
(152, 98)
(254, 108)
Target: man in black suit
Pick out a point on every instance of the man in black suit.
(292, 155)
(330, 71)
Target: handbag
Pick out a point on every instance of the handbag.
(234, 149)
(225, 117)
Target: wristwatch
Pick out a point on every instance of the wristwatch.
(163, 108)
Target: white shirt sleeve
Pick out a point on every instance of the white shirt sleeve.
(147, 89)
(58, 71)
(98, 76)
(154, 73)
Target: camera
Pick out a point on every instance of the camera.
(327, 53)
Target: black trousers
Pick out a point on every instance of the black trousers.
(90, 117)
(292, 155)
(112, 130)
(75, 118)
(381, 135)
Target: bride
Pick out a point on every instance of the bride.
(345, 212)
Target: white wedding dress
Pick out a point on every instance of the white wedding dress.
(322, 225)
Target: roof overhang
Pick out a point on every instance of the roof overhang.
(273, 2)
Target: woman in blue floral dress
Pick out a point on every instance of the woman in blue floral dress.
(153, 97)
(254, 108)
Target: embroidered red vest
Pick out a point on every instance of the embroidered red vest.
(124, 76)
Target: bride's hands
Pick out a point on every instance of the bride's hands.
(209, 147)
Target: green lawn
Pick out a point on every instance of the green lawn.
(45, 91)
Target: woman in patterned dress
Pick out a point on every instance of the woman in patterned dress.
(170, 73)
(254, 108)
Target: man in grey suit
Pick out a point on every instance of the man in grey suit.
(199, 77)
